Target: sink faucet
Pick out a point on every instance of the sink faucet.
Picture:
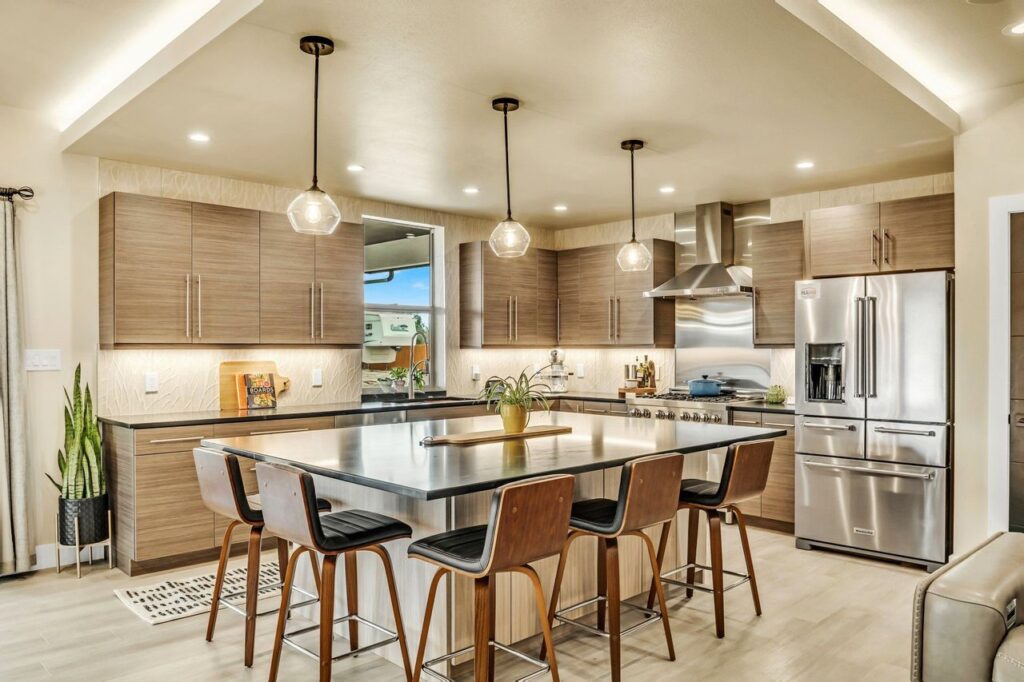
(412, 363)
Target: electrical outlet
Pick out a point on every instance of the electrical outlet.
(318, 377)
(580, 371)
(152, 380)
(42, 359)
(474, 372)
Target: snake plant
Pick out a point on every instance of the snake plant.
(81, 459)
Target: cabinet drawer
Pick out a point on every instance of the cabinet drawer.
(263, 427)
(746, 418)
(778, 421)
(829, 436)
(925, 444)
(170, 517)
(171, 438)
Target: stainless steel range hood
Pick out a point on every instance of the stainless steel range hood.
(714, 275)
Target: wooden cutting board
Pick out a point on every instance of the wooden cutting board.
(492, 436)
(228, 381)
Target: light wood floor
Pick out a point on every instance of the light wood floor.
(826, 617)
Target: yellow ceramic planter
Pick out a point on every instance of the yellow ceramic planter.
(514, 418)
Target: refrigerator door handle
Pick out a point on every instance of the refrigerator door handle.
(870, 346)
(859, 388)
(904, 432)
(872, 472)
(830, 427)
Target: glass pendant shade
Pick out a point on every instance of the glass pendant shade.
(314, 212)
(633, 257)
(509, 239)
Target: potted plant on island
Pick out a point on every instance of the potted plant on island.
(83, 486)
(514, 397)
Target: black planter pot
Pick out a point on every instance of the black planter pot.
(92, 520)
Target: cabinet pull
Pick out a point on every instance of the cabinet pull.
(508, 334)
(874, 240)
(558, 319)
(266, 433)
(872, 472)
(904, 432)
(321, 310)
(618, 318)
(182, 439)
(743, 421)
(312, 305)
(753, 306)
(199, 298)
(188, 305)
(886, 252)
(781, 426)
(517, 317)
(611, 306)
(830, 427)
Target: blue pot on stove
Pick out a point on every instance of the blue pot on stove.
(704, 386)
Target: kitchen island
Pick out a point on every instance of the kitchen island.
(386, 468)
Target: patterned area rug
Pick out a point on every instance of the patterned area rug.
(174, 599)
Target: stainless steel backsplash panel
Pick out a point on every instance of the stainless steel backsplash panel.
(742, 368)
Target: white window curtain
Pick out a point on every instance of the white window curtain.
(15, 553)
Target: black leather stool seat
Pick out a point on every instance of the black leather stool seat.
(344, 530)
(462, 549)
(598, 515)
(699, 491)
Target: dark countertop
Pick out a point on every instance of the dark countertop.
(389, 457)
(145, 421)
(761, 406)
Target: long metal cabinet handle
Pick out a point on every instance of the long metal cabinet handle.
(859, 378)
(199, 298)
(312, 306)
(558, 319)
(874, 240)
(182, 439)
(743, 421)
(871, 347)
(618, 318)
(830, 427)
(508, 333)
(886, 252)
(321, 310)
(783, 426)
(517, 317)
(904, 432)
(753, 306)
(611, 307)
(188, 305)
(873, 472)
(265, 433)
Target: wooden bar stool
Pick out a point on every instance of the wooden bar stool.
(744, 476)
(528, 521)
(222, 487)
(289, 511)
(648, 495)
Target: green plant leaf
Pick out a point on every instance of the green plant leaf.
(55, 484)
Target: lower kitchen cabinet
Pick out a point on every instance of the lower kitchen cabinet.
(593, 407)
(776, 504)
(170, 516)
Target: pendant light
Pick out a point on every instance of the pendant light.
(313, 211)
(509, 239)
(633, 256)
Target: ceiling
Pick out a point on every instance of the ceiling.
(728, 94)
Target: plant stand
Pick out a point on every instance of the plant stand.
(108, 543)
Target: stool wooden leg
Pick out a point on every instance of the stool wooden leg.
(602, 581)
(614, 627)
(660, 590)
(282, 616)
(282, 566)
(715, 531)
(742, 523)
(556, 589)
(327, 617)
(218, 584)
(314, 563)
(352, 597)
(692, 533)
(662, 546)
(421, 651)
(252, 581)
(538, 592)
(389, 573)
(483, 628)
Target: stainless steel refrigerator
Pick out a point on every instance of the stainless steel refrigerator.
(873, 404)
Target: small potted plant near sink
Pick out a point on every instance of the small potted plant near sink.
(83, 485)
(514, 397)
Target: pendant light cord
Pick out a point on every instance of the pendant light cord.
(508, 182)
(316, 112)
(632, 193)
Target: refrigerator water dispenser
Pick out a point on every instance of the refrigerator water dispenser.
(824, 372)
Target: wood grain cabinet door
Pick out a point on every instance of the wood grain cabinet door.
(596, 295)
(522, 284)
(170, 517)
(287, 280)
(843, 240)
(152, 269)
(339, 287)
(777, 253)
(567, 301)
(917, 234)
(633, 317)
(778, 499)
(547, 298)
(225, 270)
(497, 315)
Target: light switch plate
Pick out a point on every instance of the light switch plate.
(152, 381)
(474, 372)
(580, 373)
(318, 377)
(42, 359)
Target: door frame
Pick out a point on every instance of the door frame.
(999, 211)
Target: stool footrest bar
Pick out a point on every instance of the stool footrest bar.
(542, 666)
(392, 637)
(743, 578)
(650, 616)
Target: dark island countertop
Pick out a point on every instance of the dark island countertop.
(146, 421)
(390, 457)
(761, 406)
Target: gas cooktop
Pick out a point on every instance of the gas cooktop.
(686, 397)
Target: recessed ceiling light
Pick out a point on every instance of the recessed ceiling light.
(805, 165)
(667, 189)
(471, 190)
(354, 168)
(199, 137)
(561, 208)
(1014, 29)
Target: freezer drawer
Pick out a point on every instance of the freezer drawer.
(828, 436)
(894, 509)
(904, 443)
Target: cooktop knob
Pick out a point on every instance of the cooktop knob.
(685, 416)
(717, 419)
(660, 414)
(671, 416)
(647, 413)
(695, 416)
(705, 417)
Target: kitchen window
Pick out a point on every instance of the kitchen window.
(402, 295)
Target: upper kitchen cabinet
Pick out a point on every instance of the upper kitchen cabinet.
(145, 270)
(339, 286)
(641, 321)
(225, 259)
(917, 234)
(506, 301)
(777, 261)
(893, 236)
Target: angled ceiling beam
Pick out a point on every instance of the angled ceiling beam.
(144, 59)
(812, 13)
